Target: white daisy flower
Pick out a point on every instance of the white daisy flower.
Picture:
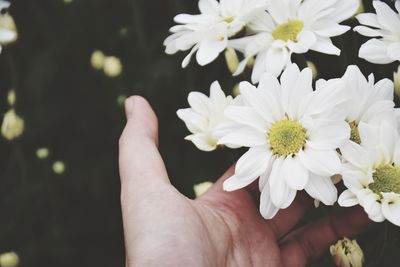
(8, 32)
(371, 173)
(385, 25)
(293, 133)
(205, 117)
(368, 102)
(208, 33)
(293, 26)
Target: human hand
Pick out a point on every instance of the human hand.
(164, 228)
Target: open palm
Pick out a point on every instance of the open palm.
(164, 228)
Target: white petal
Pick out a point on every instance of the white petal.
(355, 154)
(209, 7)
(344, 9)
(391, 210)
(325, 45)
(209, 50)
(375, 51)
(203, 141)
(329, 28)
(199, 102)
(322, 188)
(329, 134)
(253, 163)
(259, 66)
(306, 40)
(325, 163)
(371, 205)
(194, 121)
(266, 105)
(244, 137)
(394, 51)
(246, 116)
(366, 31)
(347, 199)
(216, 93)
(276, 60)
(296, 175)
(188, 58)
(281, 194)
(267, 209)
(386, 16)
(368, 19)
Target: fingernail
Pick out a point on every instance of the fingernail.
(129, 107)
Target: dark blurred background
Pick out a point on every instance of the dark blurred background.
(64, 209)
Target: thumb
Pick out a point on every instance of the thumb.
(141, 166)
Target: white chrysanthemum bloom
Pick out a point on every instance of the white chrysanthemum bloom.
(293, 26)
(385, 25)
(293, 133)
(371, 173)
(369, 102)
(8, 31)
(207, 33)
(205, 116)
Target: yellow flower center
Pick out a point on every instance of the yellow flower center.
(355, 134)
(386, 179)
(287, 137)
(288, 31)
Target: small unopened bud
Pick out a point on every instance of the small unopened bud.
(9, 259)
(313, 68)
(396, 80)
(232, 60)
(347, 253)
(13, 125)
(236, 90)
(200, 189)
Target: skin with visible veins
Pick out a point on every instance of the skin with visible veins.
(164, 228)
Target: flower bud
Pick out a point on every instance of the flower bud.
(313, 68)
(200, 189)
(347, 253)
(232, 60)
(396, 79)
(13, 125)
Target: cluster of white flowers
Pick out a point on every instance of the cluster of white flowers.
(273, 31)
(299, 136)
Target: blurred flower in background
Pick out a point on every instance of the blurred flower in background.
(8, 30)
(347, 253)
(9, 259)
(13, 125)
(110, 65)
